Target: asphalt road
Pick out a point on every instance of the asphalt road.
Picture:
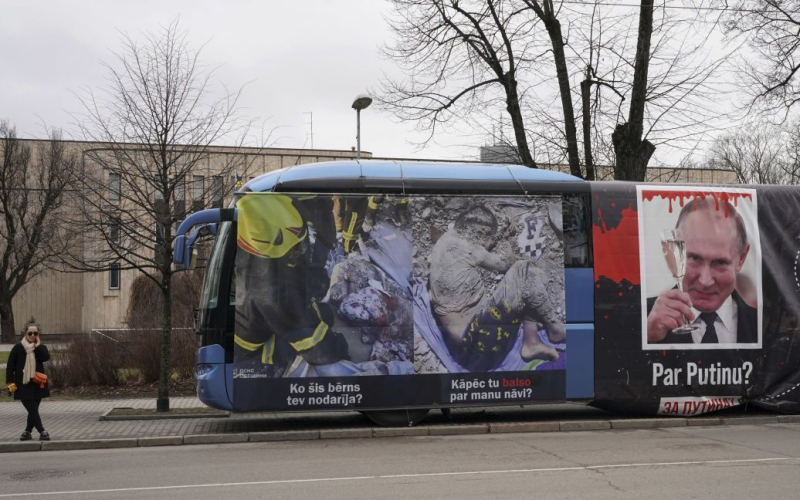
(740, 461)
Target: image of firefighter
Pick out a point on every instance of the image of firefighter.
(354, 217)
(480, 328)
(280, 280)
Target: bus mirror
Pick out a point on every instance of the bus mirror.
(207, 230)
(207, 219)
(178, 249)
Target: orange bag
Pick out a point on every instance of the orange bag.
(40, 378)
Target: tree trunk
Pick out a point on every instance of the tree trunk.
(165, 371)
(512, 105)
(9, 334)
(586, 89)
(554, 30)
(632, 152)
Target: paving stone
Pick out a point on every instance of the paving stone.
(701, 421)
(647, 423)
(215, 438)
(20, 446)
(524, 427)
(399, 431)
(284, 436)
(584, 425)
(749, 420)
(457, 430)
(345, 433)
(88, 444)
(161, 441)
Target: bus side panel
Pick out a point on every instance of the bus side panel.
(214, 377)
(580, 376)
(579, 295)
(580, 332)
(373, 333)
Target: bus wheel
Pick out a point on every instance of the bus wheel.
(397, 418)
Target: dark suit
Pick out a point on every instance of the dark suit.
(746, 324)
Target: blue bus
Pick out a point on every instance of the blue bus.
(393, 288)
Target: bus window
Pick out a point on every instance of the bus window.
(210, 293)
(577, 230)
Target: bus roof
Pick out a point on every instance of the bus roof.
(413, 177)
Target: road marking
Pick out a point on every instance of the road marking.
(394, 476)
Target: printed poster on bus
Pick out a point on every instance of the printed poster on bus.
(695, 307)
(700, 268)
(356, 301)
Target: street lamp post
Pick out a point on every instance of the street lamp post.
(362, 101)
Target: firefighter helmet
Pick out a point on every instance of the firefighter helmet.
(269, 225)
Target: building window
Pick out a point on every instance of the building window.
(113, 277)
(216, 191)
(198, 191)
(179, 197)
(180, 189)
(113, 232)
(198, 186)
(113, 187)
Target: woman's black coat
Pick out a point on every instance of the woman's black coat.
(16, 365)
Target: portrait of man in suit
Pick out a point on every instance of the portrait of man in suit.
(707, 310)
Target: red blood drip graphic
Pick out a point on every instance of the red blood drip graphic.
(720, 198)
(616, 251)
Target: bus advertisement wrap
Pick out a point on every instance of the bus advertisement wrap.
(696, 298)
(356, 301)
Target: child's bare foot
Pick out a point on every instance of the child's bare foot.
(538, 351)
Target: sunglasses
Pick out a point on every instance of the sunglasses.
(33, 334)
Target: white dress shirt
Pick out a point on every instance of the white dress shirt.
(725, 324)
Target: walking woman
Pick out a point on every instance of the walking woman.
(26, 358)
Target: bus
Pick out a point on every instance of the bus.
(392, 288)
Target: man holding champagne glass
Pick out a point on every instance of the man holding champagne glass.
(704, 252)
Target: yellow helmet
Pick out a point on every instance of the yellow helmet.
(269, 225)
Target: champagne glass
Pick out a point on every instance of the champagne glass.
(674, 249)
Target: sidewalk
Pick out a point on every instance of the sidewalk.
(76, 424)
(57, 346)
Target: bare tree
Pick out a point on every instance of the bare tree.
(759, 153)
(665, 82)
(461, 56)
(547, 14)
(632, 151)
(771, 74)
(793, 155)
(34, 185)
(154, 126)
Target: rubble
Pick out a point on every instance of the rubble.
(428, 225)
(433, 216)
(372, 303)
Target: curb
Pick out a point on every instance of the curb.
(106, 416)
(386, 432)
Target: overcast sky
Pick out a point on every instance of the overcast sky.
(295, 57)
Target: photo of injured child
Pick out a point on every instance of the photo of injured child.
(323, 286)
(489, 284)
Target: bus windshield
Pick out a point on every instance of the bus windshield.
(210, 293)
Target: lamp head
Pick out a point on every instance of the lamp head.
(362, 101)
